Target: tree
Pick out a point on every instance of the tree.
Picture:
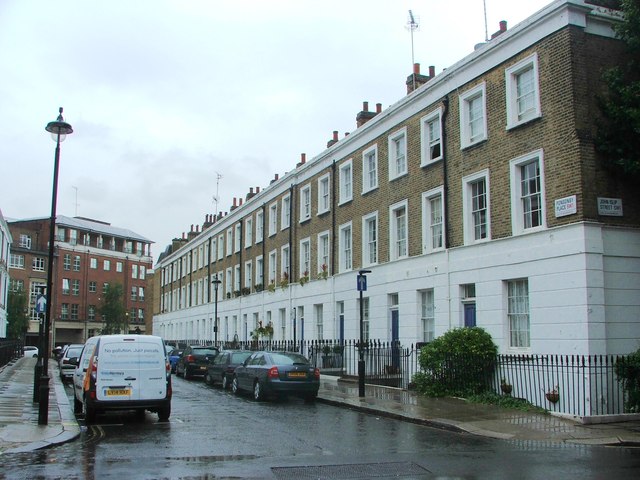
(17, 318)
(618, 137)
(113, 310)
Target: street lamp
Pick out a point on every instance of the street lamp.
(216, 283)
(362, 286)
(59, 129)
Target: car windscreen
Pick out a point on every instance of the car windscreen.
(288, 359)
(73, 352)
(205, 351)
(239, 357)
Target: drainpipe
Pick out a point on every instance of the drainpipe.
(445, 202)
(333, 218)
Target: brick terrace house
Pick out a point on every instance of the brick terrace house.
(477, 199)
(89, 255)
(5, 245)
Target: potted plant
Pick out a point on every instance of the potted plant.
(284, 281)
(505, 386)
(326, 357)
(553, 395)
(236, 293)
(246, 291)
(304, 278)
(337, 355)
(259, 287)
(323, 273)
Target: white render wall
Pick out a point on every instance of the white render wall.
(584, 295)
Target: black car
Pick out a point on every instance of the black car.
(195, 360)
(223, 366)
(277, 374)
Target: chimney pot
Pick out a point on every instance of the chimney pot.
(335, 135)
(432, 71)
(303, 158)
(235, 202)
(257, 189)
(277, 176)
(240, 202)
(365, 106)
(416, 68)
(378, 107)
(250, 189)
(503, 25)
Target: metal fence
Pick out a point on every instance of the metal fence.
(9, 349)
(580, 385)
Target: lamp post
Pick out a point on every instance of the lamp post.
(362, 287)
(216, 283)
(59, 130)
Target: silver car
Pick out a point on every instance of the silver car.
(67, 368)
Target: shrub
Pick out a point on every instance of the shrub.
(459, 363)
(628, 371)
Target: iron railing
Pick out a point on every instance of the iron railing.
(9, 349)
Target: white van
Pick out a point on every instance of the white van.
(123, 372)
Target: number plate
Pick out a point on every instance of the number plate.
(297, 374)
(118, 392)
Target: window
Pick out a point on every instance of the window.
(134, 293)
(91, 313)
(260, 271)
(220, 247)
(100, 242)
(398, 154)
(76, 263)
(273, 266)
(528, 212)
(229, 245)
(432, 220)
(65, 286)
(370, 169)
(237, 237)
(518, 313)
(273, 219)
(323, 254)
(73, 236)
(106, 265)
(285, 221)
(66, 261)
(523, 95)
(286, 262)
(305, 257)
(427, 315)
(74, 311)
(64, 311)
(248, 274)
(93, 263)
(305, 203)
(134, 271)
(398, 230)
(75, 287)
(345, 252)
(143, 272)
(16, 285)
(37, 264)
(228, 284)
(259, 226)
(319, 314)
(473, 119)
(93, 286)
(105, 287)
(324, 196)
(370, 239)
(346, 182)
(365, 318)
(236, 278)
(475, 199)
(60, 234)
(86, 239)
(16, 261)
(248, 232)
(25, 241)
(430, 134)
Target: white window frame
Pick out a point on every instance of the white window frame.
(229, 242)
(248, 274)
(512, 74)
(521, 341)
(427, 314)
(228, 284)
(427, 157)
(285, 220)
(345, 174)
(396, 170)
(517, 210)
(259, 226)
(367, 241)
(345, 249)
(259, 271)
(273, 266)
(466, 98)
(393, 231)
(248, 232)
(304, 265)
(324, 257)
(285, 261)
(237, 237)
(427, 226)
(273, 219)
(469, 225)
(369, 181)
(220, 247)
(305, 203)
(324, 194)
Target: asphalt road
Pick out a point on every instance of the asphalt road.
(214, 434)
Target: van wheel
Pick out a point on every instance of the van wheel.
(77, 405)
(225, 382)
(89, 413)
(164, 413)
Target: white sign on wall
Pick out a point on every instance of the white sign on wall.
(566, 206)
(610, 207)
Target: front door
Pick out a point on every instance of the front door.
(395, 339)
(470, 314)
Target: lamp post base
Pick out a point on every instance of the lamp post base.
(43, 410)
(361, 378)
(37, 372)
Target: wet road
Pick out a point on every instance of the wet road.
(214, 434)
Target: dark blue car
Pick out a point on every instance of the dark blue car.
(174, 355)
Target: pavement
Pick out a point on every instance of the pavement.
(20, 432)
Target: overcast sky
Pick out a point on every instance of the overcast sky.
(162, 95)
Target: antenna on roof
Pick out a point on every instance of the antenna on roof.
(413, 25)
(76, 189)
(216, 198)
(486, 30)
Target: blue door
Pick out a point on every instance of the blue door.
(469, 314)
(395, 340)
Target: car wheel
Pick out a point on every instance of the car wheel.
(77, 405)
(89, 413)
(186, 373)
(234, 386)
(257, 391)
(225, 382)
(164, 413)
(207, 379)
(310, 398)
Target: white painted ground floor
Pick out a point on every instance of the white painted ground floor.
(567, 290)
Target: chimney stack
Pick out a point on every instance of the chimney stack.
(275, 179)
(235, 204)
(503, 28)
(365, 115)
(303, 160)
(416, 79)
(334, 140)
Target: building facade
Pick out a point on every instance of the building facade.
(477, 199)
(89, 256)
(5, 246)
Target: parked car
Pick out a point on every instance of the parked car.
(224, 365)
(195, 360)
(174, 356)
(278, 374)
(122, 372)
(30, 351)
(66, 366)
